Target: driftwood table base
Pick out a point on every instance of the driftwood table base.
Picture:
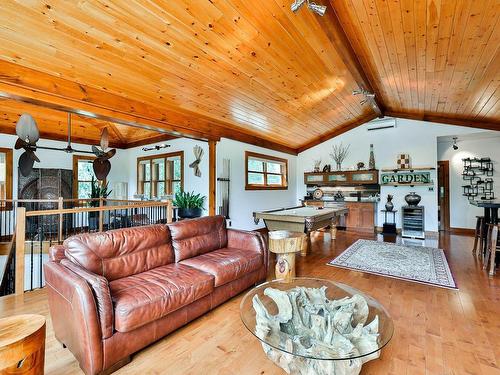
(285, 244)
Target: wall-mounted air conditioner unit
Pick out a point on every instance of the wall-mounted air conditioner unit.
(381, 124)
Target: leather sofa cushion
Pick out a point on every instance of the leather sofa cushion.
(145, 297)
(122, 252)
(195, 237)
(227, 264)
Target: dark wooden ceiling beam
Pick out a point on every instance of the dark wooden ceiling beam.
(31, 86)
(336, 34)
(470, 123)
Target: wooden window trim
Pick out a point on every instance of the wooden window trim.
(284, 174)
(150, 158)
(9, 172)
(76, 159)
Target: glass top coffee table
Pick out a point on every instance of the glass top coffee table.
(314, 326)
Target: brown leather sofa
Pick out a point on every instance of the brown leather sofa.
(113, 293)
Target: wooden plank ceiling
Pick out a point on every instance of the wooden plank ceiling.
(251, 70)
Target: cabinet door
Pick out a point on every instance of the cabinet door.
(364, 177)
(337, 178)
(352, 219)
(367, 217)
(313, 178)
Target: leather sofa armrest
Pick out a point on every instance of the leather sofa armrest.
(56, 253)
(102, 295)
(248, 240)
(74, 315)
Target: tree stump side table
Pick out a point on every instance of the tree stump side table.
(285, 244)
(22, 345)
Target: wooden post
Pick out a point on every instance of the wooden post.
(211, 176)
(169, 211)
(20, 243)
(60, 207)
(101, 215)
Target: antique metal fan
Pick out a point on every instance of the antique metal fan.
(28, 135)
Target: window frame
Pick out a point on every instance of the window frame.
(266, 158)
(150, 158)
(76, 181)
(9, 173)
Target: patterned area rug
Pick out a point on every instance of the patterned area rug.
(420, 264)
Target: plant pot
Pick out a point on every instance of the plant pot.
(413, 199)
(189, 213)
(93, 220)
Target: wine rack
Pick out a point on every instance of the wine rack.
(474, 171)
(413, 222)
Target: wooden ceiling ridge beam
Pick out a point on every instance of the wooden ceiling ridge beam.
(35, 87)
(469, 123)
(332, 26)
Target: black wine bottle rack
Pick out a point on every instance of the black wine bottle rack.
(477, 172)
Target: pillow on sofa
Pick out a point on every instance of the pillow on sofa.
(121, 252)
(199, 236)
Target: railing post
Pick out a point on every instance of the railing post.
(20, 243)
(101, 215)
(60, 207)
(169, 211)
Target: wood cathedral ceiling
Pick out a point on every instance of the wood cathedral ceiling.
(250, 70)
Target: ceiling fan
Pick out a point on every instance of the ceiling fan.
(28, 135)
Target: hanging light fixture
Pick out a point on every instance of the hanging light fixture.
(316, 8)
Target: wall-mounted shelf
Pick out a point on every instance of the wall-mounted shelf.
(412, 185)
(396, 170)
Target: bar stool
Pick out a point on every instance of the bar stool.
(478, 235)
(491, 248)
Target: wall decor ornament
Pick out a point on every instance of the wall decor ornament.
(360, 165)
(317, 164)
(403, 161)
(198, 154)
(474, 168)
(371, 163)
(339, 153)
(389, 206)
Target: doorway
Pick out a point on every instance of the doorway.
(443, 175)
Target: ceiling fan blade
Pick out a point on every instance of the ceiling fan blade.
(96, 151)
(109, 154)
(33, 156)
(20, 144)
(104, 139)
(26, 163)
(101, 168)
(26, 129)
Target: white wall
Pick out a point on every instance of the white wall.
(242, 203)
(417, 138)
(485, 144)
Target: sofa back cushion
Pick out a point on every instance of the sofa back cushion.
(121, 252)
(198, 236)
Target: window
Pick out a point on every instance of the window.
(82, 176)
(5, 173)
(160, 175)
(265, 172)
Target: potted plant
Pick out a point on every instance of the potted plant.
(189, 205)
(98, 189)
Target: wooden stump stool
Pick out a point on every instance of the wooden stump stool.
(22, 345)
(285, 244)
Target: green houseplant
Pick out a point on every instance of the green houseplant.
(98, 190)
(189, 205)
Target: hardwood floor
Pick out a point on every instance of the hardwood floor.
(437, 331)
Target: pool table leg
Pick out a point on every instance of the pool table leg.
(333, 228)
(306, 245)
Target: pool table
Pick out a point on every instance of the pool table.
(302, 219)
